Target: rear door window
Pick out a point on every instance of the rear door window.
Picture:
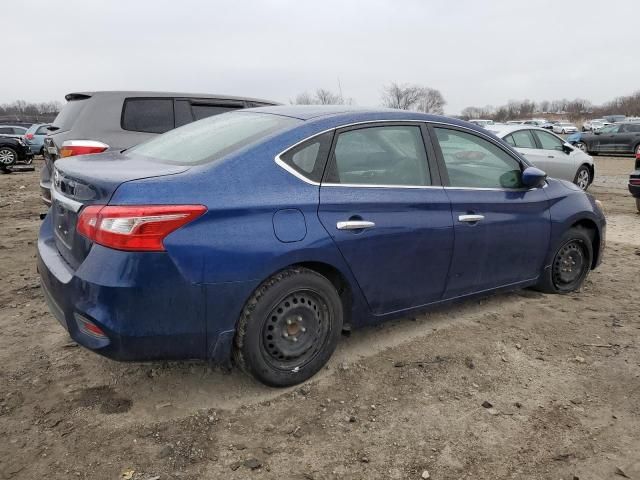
(42, 130)
(386, 155)
(203, 110)
(6, 130)
(151, 115)
(549, 141)
(523, 139)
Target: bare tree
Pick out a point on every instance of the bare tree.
(431, 101)
(322, 96)
(412, 97)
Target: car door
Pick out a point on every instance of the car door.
(559, 159)
(382, 202)
(605, 140)
(626, 138)
(502, 229)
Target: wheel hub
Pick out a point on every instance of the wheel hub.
(569, 263)
(295, 330)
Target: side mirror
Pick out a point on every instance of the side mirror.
(533, 177)
(567, 148)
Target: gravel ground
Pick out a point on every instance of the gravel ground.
(559, 378)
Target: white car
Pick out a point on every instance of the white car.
(595, 124)
(548, 152)
(564, 127)
(481, 122)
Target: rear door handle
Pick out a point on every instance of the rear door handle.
(470, 218)
(355, 225)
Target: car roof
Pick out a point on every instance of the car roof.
(501, 130)
(355, 113)
(142, 93)
(12, 126)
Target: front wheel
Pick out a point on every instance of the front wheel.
(571, 263)
(583, 177)
(289, 328)
(582, 146)
(8, 157)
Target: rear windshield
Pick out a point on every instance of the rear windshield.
(212, 138)
(69, 113)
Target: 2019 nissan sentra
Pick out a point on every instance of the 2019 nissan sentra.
(258, 235)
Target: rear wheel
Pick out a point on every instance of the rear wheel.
(289, 328)
(583, 177)
(571, 263)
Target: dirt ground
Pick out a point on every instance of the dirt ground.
(562, 374)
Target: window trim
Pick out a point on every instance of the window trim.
(124, 106)
(376, 124)
(439, 178)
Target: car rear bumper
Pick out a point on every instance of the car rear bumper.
(635, 177)
(140, 301)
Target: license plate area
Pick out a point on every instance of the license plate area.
(64, 224)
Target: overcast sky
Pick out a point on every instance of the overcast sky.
(474, 52)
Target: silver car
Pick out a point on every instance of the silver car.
(549, 152)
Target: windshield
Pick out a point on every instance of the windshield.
(213, 137)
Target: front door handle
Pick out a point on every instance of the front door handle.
(470, 218)
(355, 225)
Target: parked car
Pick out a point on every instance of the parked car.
(94, 122)
(616, 138)
(634, 182)
(12, 130)
(549, 152)
(12, 150)
(34, 137)
(480, 122)
(615, 118)
(515, 122)
(548, 125)
(564, 127)
(536, 122)
(595, 124)
(259, 234)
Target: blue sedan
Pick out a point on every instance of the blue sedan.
(257, 236)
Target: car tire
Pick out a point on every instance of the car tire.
(582, 146)
(564, 132)
(8, 158)
(583, 177)
(289, 328)
(637, 149)
(570, 264)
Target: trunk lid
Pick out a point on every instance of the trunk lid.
(92, 179)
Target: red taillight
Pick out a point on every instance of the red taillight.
(29, 136)
(634, 181)
(71, 148)
(134, 228)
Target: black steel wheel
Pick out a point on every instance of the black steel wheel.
(570, 263)
(289, 328)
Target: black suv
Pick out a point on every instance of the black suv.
(93, 122)
(616, 138)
